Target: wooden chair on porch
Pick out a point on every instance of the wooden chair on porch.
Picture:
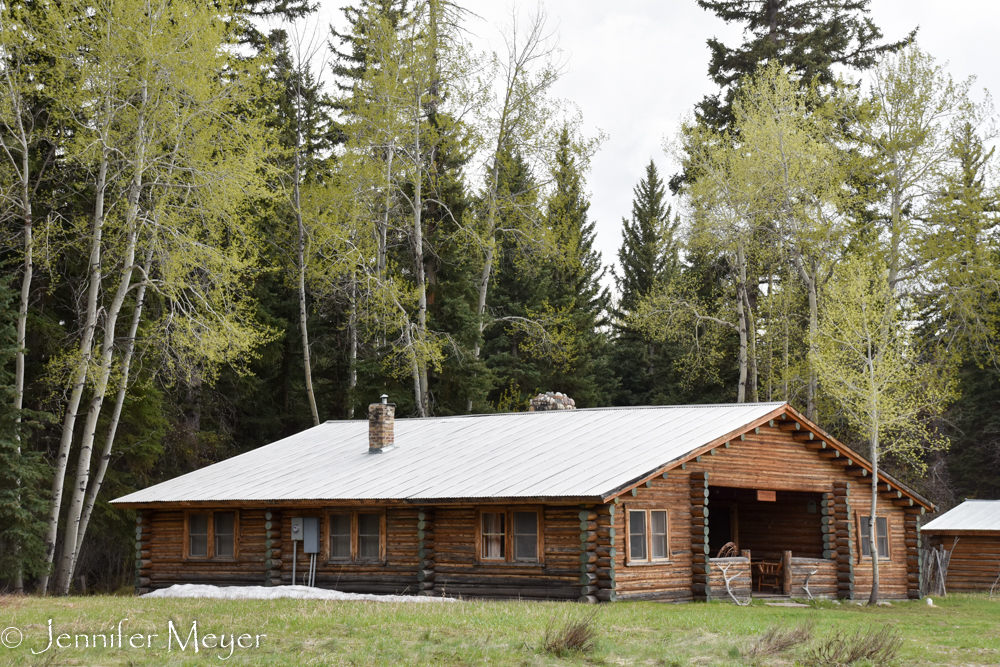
(769, 574)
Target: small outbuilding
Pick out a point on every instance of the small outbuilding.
(670, 503)
(971, 532)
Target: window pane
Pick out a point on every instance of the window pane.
(882, 534)
(225, 522)
(368, 536)
(340, 536)
(865, 536)
(198, 535)
(493, 535)
(526, 536)
(658, 526)
(637, 535)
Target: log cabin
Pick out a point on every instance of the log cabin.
(670, 503)
(971, 532)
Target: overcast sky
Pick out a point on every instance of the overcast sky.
(637, 67)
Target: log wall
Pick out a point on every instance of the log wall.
(822, 577)
(975, 561)
(893, 575)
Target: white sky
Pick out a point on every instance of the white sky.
(637, 67)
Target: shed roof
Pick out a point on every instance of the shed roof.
(560, 453)
(972, 515)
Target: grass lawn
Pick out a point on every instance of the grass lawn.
(961, 630)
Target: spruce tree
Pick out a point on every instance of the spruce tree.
(648, 255)
(576, 290)
(810, 36)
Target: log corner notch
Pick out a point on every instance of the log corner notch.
(427, 568)
(914, 562)
(272, 548)
(143, 553)
(597, 557)
(701, 589)
(843, 529)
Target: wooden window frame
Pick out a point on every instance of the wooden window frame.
(325, 536)
(508, 557)
(649, 560)
(888, 532)
(210, 549)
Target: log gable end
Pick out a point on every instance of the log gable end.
(806, 480)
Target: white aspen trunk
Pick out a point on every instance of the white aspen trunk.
(303, 315)
(22, 310)
(383, 233)
(80, 372)
(418, 266)
(740, 300)
(751, 345)
(68, 562)
(352, 335)
(873, 523)
(813, 385)
(102, 467)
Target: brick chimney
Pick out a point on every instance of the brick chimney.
(381, 425)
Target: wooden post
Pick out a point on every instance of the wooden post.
(272, 548)
(426, 569)
(143, 566)
(603, 549)
(701, 589)
(786, 573)
(843, 532)
(911, 530)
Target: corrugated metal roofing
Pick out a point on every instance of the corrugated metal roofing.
(970, 515)
(569, 453)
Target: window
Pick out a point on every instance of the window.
(198, 536)
(648, 536)
(510, 536)
(357, 536)
(493, 536)
(881, 536)
(526, 536)
(211, 534)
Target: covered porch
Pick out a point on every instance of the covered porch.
(775, 537)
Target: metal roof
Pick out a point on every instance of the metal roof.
(558, 453)
(970, 515)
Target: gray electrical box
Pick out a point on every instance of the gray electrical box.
(310, 534)
(296, 529)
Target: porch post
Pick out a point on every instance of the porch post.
(843, 531)
(700, 587)
(425, 552)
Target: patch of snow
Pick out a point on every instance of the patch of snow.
(276, 592)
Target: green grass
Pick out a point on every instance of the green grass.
(962, 630)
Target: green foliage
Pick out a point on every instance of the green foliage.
(810, 37)
(23, 472)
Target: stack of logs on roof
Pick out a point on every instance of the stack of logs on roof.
(551, 401)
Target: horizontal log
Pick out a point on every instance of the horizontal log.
(588, 599)
(606, 573)
(607, 595)
(588, 579)
(606, 552)
(588, 515)
(588, 557)
(425, 575)
(588, 590)
(588, 525)
(847, 577)
(425, 585)
(141, 582)
(588, 536)
(588, 567)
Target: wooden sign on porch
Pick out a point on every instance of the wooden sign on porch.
(767, 496)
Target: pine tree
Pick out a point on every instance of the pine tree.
(648, 255)
(649, 251)
(577, 294)
(810, 36)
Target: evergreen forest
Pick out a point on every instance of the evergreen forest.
(217, 230)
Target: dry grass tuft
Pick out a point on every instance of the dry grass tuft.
(575, 635)
(777, 640)
(879, 646)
